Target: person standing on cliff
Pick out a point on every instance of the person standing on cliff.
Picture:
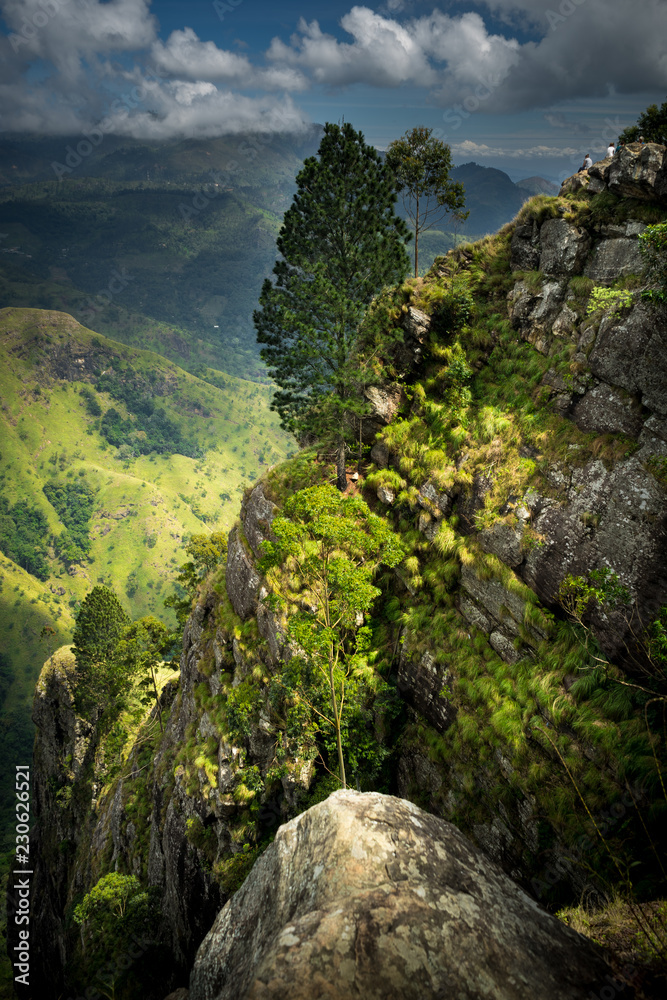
(611, 148)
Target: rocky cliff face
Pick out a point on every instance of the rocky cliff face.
(596, 504)
(174, 816)
(63, 754)
(596, 513)
(496, 523)
(638, 170)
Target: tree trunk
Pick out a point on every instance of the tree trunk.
(417, 240)
(339, 740)
(157, 699)
(341, 476)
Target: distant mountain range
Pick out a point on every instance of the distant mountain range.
(538, 185)
(253, 159)
(493, 198)
(162, 246)
(165, 245)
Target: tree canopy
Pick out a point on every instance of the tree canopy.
(341, 243)
(651, 125)
(139, 653)
(332, 546)
(100, 623)
(421, 164)
(205, 552)
(118, 920)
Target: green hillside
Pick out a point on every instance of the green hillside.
(161, 246)
(131, 262)
(109, 459)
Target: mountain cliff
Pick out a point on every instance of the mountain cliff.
(520, 448)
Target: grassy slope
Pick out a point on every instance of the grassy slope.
(509, 433)
(145, 506)
(506, 431)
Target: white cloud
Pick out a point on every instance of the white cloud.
(483, 151)
(203, 111)
(191, 88)
(383, 53)
(67, 32)
(469, 55)
(599, 46)
(186, 57)
(447, 54)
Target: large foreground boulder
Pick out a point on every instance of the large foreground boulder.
(365, 895)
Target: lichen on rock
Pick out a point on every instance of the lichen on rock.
(368, 895)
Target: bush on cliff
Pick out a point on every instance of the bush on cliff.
(651, 125)
(117, 921)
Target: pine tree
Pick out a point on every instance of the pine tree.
(100, 623)
(341, 243)
(421, 164)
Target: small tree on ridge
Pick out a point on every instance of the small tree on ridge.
(331, 545)
(421, 164)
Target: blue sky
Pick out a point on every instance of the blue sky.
(529, 86)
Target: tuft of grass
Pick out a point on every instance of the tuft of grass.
(632, 933)
(540, 208)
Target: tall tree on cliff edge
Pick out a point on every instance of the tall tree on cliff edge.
(341, 243)
(421, 164)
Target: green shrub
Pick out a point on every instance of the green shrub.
(609, 299)
(653, 247)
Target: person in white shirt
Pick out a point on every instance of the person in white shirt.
(611, 148)
(587, 162)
